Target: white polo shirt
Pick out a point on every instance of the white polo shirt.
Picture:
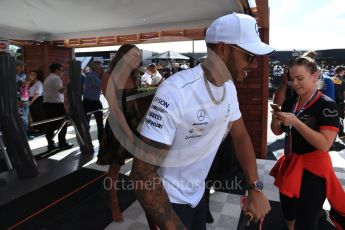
(146, 79)
(51, 87)
(156, 77)
(183, 116)
(37, 88)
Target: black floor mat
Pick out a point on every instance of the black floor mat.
(337, 146)
(85, 209)
(93, 213)
(3, 166)
(275, 220)
(270, 156)
(278, 144)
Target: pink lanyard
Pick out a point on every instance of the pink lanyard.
(288, 135)
(304, 106)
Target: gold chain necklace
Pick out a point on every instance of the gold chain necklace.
(210, 92)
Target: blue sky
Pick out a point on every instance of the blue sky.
(307, 24)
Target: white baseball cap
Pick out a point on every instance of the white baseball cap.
(238, 29)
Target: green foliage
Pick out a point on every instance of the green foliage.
(146, 89)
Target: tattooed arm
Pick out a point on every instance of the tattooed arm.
(149, 187)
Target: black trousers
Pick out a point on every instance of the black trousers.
(53, 110)
(89, 106)
(192, 218)
(307, 208)
(37, 112)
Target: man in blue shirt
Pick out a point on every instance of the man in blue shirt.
(92, 92)
(339, 86)
(327, 86)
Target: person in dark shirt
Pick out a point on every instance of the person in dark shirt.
(339, 86)
(91, 98)
(304, 175)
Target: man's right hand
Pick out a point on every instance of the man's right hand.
(256, 204)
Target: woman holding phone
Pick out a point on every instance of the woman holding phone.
(304, 175)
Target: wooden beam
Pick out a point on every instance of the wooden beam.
(151, 37)
(263, 13)
(245, 6)
(265, 79)
(263, 22)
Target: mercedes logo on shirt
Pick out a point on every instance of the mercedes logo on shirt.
(201, 115)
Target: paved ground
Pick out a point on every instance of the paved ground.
(225, 207)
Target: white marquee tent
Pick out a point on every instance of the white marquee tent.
(64, 19)
(72, 23)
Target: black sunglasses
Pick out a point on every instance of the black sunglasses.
(251, 56)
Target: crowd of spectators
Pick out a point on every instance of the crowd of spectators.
(36, 94)
(154, 74)
(277, 70)
(39, 99)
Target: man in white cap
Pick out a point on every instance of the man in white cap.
(189, 117)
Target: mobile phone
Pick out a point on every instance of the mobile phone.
(275, 107)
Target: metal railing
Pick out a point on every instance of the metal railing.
(4, 152)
